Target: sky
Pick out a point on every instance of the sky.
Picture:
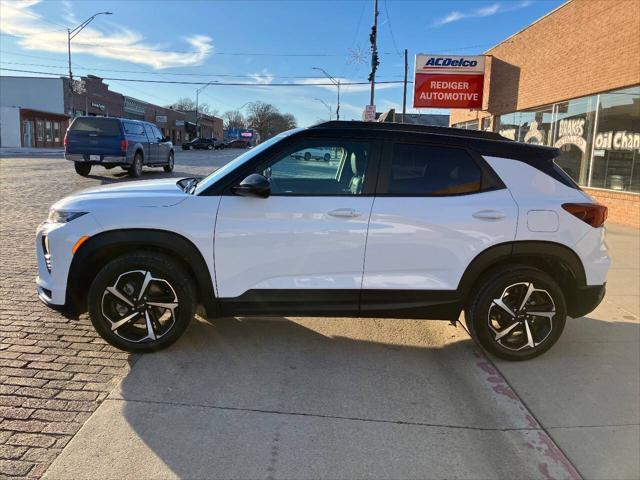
(261, 42)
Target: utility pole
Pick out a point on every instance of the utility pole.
(70, 36)
(373, 38)
(404, 93)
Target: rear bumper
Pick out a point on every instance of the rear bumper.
(104, 159)
(586, 300)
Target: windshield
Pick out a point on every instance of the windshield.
(239, 161)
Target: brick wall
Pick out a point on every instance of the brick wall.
(582, 48)
(624, 207)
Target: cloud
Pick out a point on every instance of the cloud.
(481, 12)
(36, 33)
(263, 78)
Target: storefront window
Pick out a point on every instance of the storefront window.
(56, 132)
(573, 133)
(40, 130)
(600, 149)
(49, 131)
(616, 153)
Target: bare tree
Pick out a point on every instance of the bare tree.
(186, 104)
(268, 121)
(234, 119)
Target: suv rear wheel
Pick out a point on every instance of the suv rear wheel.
(169, 166)
(82, 168)
(141, 301)
(518, 313)
(136, 168)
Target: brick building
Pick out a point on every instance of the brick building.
(572, 80)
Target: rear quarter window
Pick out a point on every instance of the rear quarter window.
(432, 170)
(99, 125)
(133, 128)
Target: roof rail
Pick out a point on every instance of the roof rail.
(409, 127)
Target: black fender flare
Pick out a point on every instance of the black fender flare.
(512, 251)
(139, 239)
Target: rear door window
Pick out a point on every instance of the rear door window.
(149, 131)
(133, 128)
(418, 170)
(96, 125)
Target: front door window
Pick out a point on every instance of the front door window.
(324, 168)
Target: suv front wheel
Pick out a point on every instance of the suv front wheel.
(141, 301)
(518, 313)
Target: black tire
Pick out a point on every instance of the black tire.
(326, 157)
(83, 169)
(136, 167)
(129, 270)
(307, 156)
(209, 147)
(169, 166)
(510, 334)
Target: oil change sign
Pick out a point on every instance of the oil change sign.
(448, 81)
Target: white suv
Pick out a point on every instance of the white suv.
(404, 222)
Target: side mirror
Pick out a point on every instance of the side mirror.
(166, 139)
(255, 185)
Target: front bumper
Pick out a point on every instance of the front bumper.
(586, 299)
(104, 159)
(51, 282)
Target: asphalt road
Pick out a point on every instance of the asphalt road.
(311, 397)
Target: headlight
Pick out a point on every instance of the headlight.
(61, 216)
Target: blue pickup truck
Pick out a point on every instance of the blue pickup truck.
(113, 142)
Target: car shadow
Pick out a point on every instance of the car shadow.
(239, 397)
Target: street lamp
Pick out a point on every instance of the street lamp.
(197, 103)
(71, 34)
(326, 105)
(336, 83)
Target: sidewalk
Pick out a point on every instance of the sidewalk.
(345, 398)
(31, 152)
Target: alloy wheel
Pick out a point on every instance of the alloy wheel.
(522, 317)
(140, 307)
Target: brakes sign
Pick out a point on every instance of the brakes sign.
(447, 81)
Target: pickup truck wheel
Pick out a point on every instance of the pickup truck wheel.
(141, 301)
(518, 312)
(169, 166)
(136, 168)
(307, 156)
(209, 147)
(82, 168)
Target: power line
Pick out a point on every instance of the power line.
(147, 72)
(238, 84)
(393, 38)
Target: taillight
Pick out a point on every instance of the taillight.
(592, 213)
(124, 145)
(64, 142)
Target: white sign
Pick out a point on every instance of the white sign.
(570, 132)
(618, 141)
(161, 119)
(426, 63)
(369, 114)
(179, 123)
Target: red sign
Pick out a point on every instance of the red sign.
(445, 90)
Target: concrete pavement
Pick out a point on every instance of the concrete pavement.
(586, 390)
(345, 398)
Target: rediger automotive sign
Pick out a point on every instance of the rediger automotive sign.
(447, 81)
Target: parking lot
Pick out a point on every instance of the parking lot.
(302, 397)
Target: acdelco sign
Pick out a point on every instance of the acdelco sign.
(449, 64)
(446, 81)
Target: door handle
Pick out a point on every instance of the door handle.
(489, 215)
(344, 212)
